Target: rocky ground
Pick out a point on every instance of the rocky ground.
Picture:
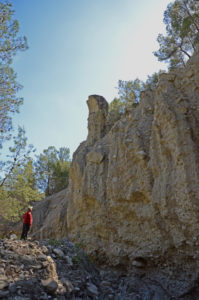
(59, 269)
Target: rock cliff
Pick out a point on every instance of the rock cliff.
(133, 195)
(134, 188)
(49, 216)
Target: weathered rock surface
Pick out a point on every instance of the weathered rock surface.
(137, 205)
(23, 268)
(49, 216)
(97, 124)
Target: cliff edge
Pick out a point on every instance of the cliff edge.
(134, 188)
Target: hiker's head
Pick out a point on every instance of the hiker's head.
(30, 208)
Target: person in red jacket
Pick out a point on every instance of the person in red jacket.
(27, 223)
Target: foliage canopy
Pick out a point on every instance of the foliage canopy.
(52, 170)
(10, 44)
(182, 33)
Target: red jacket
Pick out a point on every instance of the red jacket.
(27, 218)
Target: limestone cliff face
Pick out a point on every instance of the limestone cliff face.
(49, 217)
(134, 188)
(133, 195)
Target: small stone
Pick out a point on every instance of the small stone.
(12, 288)
(58, 252)
(44, 249)
(13, 237)
(92, 289)
(50, 285)
(43, 296)
(138, 264)
(3, 284)
(68, 260)
(67, 284)
(37, 267)
(45, 264)
(2, 271)
(4, 294)
(42, 257)
(106, 283)
(36, 243)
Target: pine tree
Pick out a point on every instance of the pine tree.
(52, 170)
(17, 181)
(18, 192)
(10, 44)
(182, 27)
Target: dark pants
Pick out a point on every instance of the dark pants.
(25, 230)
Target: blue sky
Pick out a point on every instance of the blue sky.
(78, 48)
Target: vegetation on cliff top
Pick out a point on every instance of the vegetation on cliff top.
(181, 40)
(182, 33)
